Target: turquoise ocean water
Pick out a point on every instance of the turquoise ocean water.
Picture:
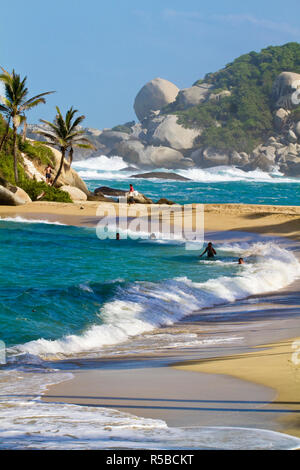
(64, 293)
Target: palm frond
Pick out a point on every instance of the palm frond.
(85, 146)
(37, 97)
(31, 105)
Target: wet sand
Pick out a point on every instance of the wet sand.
(273, 220)
(194, 386)
(253, 384)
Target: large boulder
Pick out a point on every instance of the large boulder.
(13, 196)
(171, 134)
(68, 176)
(107, 191)
(220, 95)
(297, 128)
(280, 117)
(291, 169)
(262, 162)
(193, 96)
(162, 157)
(283, 90)
(138, 198)
(214, 157)
(154, 95)
(161, 175)
(111, 138)
(75, 193)
(130, 150)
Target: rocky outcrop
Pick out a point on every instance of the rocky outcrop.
(171, 134)
(112, 192)
(75, 193)
(160, 141)
(165, 201)
(154, 95)
(219, 96)
(111, 138)
(193, 96)
(161, 175)
(107, 191)
(13, 196)
(68, 176)
(283, 89)
(280, 117)
(131, 150)
(162, 157)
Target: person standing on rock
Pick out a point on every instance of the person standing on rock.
(48, 174)
(132, 193)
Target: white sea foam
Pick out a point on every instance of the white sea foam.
(144, 306)
(103, 167)
(105, 175)
(23, 220)
(231, 173)
(28, 423)
(102, 163)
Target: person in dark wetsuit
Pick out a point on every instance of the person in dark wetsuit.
(211, 252)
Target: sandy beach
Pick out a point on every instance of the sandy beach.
(253, 384)
(271, 220)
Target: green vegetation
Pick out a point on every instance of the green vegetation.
(244, 119)
(124, 127)
(295, 114)
(7, 168)
(64, 134)
(15, 104)
(34, 189)
(39, 152)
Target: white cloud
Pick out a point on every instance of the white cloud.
(259, 22)
(233, 19)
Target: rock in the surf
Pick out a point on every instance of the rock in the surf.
(161, 175)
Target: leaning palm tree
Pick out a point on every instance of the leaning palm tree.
(65, 134)
(14, 105)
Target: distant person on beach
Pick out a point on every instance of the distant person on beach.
(131, 194)
(48, 174)
(241, 261)
(117, 236)
(211, 252)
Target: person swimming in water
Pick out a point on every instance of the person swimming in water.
(211, 252)
(241, 261)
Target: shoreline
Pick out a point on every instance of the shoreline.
(279, 369)
(280, 221)
(263, 219)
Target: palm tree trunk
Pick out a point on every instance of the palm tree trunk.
(71, 156)
(24, 129)
(3, 140)
(15, 154)
(63, 151)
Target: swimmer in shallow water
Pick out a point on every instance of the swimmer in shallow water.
(211, 252)
(241, 261)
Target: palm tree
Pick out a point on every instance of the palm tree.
(14, 105)
(64, 134)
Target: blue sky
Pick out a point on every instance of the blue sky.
(98, 54)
